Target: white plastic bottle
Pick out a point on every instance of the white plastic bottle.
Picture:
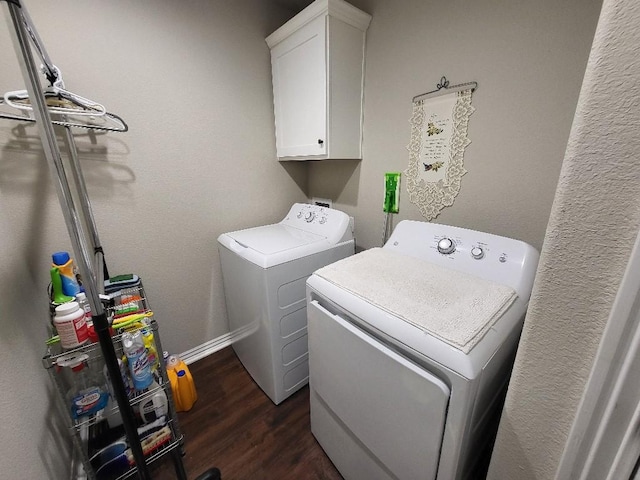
(155, 406)
(83, 301)
(71, 325)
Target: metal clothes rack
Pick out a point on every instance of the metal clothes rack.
(443, 88)
(89, 255)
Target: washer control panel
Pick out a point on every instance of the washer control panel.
(312, 214)
(324, 221)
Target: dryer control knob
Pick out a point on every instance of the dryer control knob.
(446, 246)
(477, 253)
(309, 217)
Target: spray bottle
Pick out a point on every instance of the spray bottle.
(138, 359)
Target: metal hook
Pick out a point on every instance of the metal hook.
(444, 83)
(444, 87)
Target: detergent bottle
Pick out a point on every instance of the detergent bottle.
(57, 295)
(64, 263)
(183, 387)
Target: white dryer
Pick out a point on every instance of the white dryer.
(264, 270)
(410, 350)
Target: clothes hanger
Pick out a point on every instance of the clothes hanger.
(59, 100)
(107, 121)
(66, 108)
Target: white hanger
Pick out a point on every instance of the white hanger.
(66, 108)
(59, 100)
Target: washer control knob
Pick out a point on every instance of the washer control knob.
(477, 253)
(446, 246)
(309, 217)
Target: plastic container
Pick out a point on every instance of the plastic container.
(83, 301)
(183, 387)
(87, 395)
(64, 263)
(124, 374)
(150, 345)
(138, 360)
(187, 395)
(57, 296)
(71, 325)
(155, 406)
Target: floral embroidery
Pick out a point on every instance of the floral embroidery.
(432, 197)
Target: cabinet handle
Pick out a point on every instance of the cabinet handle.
(320, 142)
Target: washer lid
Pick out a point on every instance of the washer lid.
(271, 245)
(271, 239)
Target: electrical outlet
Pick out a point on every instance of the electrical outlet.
(322, 202)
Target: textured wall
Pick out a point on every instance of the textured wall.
(594, 222)
(528, 59)
(193, 81)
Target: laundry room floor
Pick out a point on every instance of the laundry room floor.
(235, 427)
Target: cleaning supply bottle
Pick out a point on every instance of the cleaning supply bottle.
(83, 301)
(56, 298)
(87, 395)
(187, 395)
(153, 406)
(150, 345)
(64, 263)
(57, 295)
(138, 360)
(114, 419)
(183, 387)
(124, 374)
(71, 325)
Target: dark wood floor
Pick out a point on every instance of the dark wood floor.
(235, 427)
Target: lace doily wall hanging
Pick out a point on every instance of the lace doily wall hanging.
(436, 152)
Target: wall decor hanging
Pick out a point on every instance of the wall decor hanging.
(439, 122)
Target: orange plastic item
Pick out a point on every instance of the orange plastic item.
(182, 386)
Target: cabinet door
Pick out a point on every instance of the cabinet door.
(299, 91)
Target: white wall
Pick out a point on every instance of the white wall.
(528, 59)
(594, 223)
(193, 81)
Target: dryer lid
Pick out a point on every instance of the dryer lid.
(272, 239)
(453, 306)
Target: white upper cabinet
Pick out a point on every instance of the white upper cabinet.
(317, 62)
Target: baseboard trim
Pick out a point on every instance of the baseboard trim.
(212, 346)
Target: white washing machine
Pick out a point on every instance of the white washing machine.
(264, 270)
(410, 350)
